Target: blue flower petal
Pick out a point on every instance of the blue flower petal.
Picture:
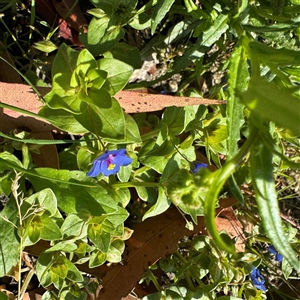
(122, 160)
(109, 163)
(96, 169)
(257, 279)
(198, 166)
(278, 256)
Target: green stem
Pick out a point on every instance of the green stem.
(189, 281)
(121, 185)
(141, 170)
(154, 280)
(26, 283)
(191, 270)
(218, 180)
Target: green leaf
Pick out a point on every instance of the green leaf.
(117, 218)
(266, 197)
(45, 46)
(53, 267)
(161, 150)
(74, 191)
(272, 56)
(63, 120)
(237, 81)
(229, 298)
(114, 254)
(102, 35)
(98, 258)
(62, 96)
(32, 231)
(74, 225)
(193, 115)
(140, 21)
(184, 193)
(45, 200)
(199, 48)
(174, 117)
(177, 162)
(73, 273)
(65, 60)
(9, 240)
(161, 205)
(57, 281)
(8, 157)
(3, 296)
(50, 230)
(100, 238)
(118, 74)
(160, 10)
(106, 119)
(85, 62)
(268, 102)
(132, 134)
(43, 264)
(65, 246)
(125, 53)
(59, 268)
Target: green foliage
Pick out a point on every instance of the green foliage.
(254, 45)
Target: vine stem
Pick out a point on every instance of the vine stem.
(218, 180)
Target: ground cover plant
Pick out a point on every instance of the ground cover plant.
(118, 169)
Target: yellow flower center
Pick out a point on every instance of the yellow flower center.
(111, 166)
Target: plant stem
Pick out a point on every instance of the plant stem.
(26, 283)
(135, 184)
(154, 280)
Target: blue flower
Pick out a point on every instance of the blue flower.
(278, 256)
(198, 166)
(257, 279)
(109, 163)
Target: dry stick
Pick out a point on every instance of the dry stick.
(22, 96)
